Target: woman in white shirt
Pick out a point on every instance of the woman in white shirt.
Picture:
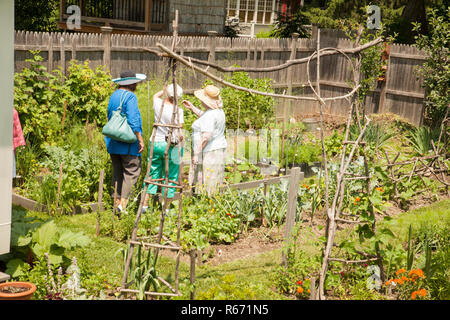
(208, 140)
(157, 170)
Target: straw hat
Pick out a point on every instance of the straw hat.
(170, 90)
(129, 77)
(210, 95)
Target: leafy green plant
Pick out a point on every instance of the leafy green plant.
(87, 92)
(39, 100)
(376, 136)
(143, 272)
(275, 204)
(301, 267)
(255, 110)
(421, 138)
(227, 290)
(32, 239)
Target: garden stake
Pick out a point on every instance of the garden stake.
(99, 203)
(114, 208)
(59, 184)
(64, 117)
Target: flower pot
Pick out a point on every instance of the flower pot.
(18, 290)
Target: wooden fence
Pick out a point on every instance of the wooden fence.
(402, 93)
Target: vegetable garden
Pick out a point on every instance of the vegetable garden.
(382, 179)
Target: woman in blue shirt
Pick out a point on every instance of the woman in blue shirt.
(126, 157)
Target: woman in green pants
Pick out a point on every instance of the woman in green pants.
(157, 169)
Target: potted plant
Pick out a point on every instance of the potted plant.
(16, 290)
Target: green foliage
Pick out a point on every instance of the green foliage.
(376, 137)
(39, 100)
(31, 239)
(255, 110)
(435, 69)
(143, 273)
(227, 290)
(336, 11)
(285, 27)
(301, 266)
(36, 15)
(421, 139)
(87, 92)
(82, 161)
(333, 144)
(40, 97)
(242, 172)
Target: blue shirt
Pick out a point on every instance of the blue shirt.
(130, 108)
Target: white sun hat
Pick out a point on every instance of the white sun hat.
(170, 91)
(129, 77)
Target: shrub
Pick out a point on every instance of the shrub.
(40, 97)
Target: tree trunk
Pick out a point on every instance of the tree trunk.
(414, 11)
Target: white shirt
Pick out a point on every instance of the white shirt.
(166, 118)
(212, 120)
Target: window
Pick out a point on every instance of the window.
(248, 11)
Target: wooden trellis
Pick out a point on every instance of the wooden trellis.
(155, 242)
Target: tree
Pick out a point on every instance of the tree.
(397, 16)
(286, 26)
(36, 15)
(436, 68)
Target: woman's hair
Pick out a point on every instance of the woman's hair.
(131, 87)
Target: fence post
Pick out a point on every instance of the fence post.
(289, 73)
(50, 52)
(291, 209)
(386, 56)
(212, 46)
(106, 34)
(74, 47)
(62, 51)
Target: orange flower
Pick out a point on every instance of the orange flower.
(309, 291)
(423, 292)
(357, 199)
(416, 273)
(228, 214)
(413, 295)
(305, 186)
(404, 278)
(399, 271)
(300, 290)
(379, 189)
(300, 282)
(388, 282)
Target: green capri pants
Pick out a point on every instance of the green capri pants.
(157, 169)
